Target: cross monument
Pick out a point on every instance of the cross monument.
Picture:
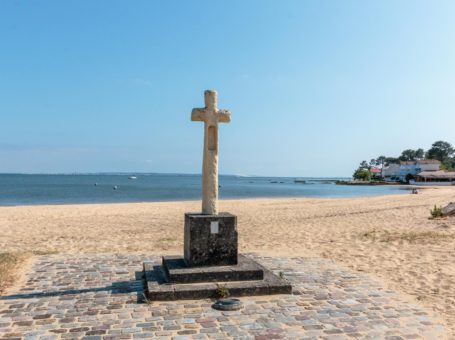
(211, 116)
(210, 240)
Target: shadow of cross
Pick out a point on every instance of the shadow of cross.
(118, 287)
(211, 116)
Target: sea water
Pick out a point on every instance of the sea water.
(20, 189)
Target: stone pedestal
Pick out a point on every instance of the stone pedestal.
(174, 281)
(210, 240)
(210, 263)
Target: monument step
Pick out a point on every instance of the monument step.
(177, 271)
(157, 289)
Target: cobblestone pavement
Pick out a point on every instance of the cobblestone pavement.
(99, 297)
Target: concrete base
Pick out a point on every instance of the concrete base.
(177, 271)
(160, 287)
(210, 240)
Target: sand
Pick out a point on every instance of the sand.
(389, 237)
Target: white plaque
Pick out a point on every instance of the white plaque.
(214, 227)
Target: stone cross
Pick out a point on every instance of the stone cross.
(211, 116)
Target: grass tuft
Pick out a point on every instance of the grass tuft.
(436, 212)
(221, 292)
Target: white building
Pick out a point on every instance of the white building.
(391, 173)
(415, 167)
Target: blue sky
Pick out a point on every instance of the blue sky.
(314, 87)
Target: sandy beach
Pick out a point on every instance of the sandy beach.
(389, 237)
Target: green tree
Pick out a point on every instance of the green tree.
(381, 161)
(408, 155)
(391, 160)
(448, 164)
(412, 155)
(363, 172)
(441, 151)
(420, 154)
(364, 165)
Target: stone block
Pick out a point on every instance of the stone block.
(177, 271)
(210, 240)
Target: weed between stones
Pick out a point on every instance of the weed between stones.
(221, 292)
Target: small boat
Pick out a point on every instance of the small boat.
(115, 187)
(299, 181)
(132, 177)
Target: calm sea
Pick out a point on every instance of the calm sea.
(107, 188)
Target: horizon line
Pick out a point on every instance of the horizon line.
(153, 173)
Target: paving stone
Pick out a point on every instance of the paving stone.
(99, 297)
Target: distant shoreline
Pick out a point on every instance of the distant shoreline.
(369, 183)
(18, 190)
(232, 199)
